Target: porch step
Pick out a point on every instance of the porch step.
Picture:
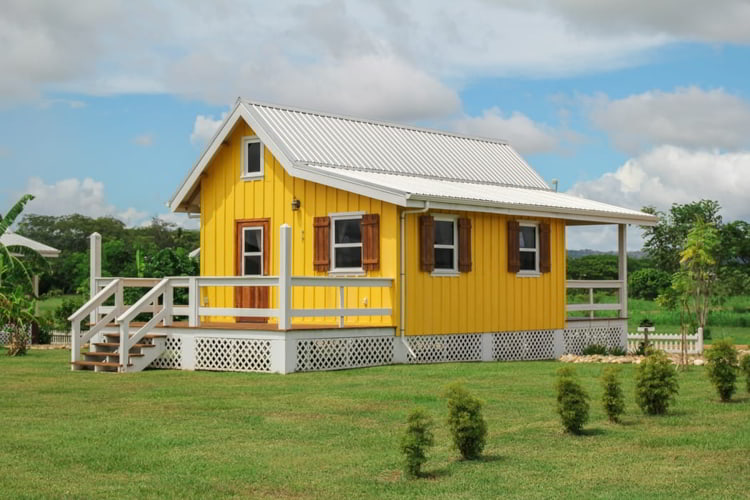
(88, 364)
(147, 336)
(117, 344)
(108, 354)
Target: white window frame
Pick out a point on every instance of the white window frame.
(253, 254)
(454, 271)
(249, 176)
(528, 272)
(345, 270)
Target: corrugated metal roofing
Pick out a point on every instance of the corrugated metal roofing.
(502, 196)
(343, 143)
(16, 240)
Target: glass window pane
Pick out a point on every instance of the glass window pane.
(528, 237)
(348, 257)
(252, 240)
(443, 232)
(348, 231)
(528, 261)
(252, 265)
(253, 157)
(443, 258)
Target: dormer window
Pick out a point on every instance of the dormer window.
(252, 158)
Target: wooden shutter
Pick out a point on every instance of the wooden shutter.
(322, 253)
(371, 242)
(544, 263)
(514, 254)
(426, 243)
(464, 244)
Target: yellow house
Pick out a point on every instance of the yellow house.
(332, 242)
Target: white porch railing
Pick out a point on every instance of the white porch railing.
(163, 311)
(592, 306)
(668, 342)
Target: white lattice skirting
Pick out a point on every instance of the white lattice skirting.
(341, 349)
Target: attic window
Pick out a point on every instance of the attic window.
(252, 158)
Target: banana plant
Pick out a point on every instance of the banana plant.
(9, 255)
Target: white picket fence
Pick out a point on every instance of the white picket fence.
(668, 342)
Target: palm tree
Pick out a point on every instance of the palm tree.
(9, 254)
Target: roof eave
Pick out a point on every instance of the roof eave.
(591, 216)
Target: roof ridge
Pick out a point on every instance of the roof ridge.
(381, 123)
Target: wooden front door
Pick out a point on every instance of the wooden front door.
(252, 259)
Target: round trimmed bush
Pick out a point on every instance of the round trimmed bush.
(722, 367)
(745, 367)
(572, 401)
(656, 383)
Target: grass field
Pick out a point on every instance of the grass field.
(335, 435)
(49, 304)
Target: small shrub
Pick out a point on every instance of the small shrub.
(656, 383)
(613, 398)
(467, 426)
(722, 366)
(592, 349)
(572, 401)
(617, 351)
(415, 441)
(745, 367)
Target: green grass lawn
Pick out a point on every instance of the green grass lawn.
(49, 304)
(335, 435)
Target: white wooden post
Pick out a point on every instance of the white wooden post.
(285, 277)
(75, 342)
(699, 341)
(193, 302)
(591, 301)
(124, 345)
(622, 267)
(95, 269)
(168, 303)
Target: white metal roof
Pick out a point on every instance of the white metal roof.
(16, 240)
(316, 139)
(401, 165)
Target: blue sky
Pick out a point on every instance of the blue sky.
(104, 108)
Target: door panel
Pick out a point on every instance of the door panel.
(252, 254)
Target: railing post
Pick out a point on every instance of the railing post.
(591, 302)
(124, 346)
(168, 303)
(75, 342)
(95, 270)
(193, 302)
(285, 277)
(699, 341)
(342, 304)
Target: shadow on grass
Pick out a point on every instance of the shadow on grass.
(435, 474)
(595, 431)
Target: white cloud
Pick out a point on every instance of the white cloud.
(70, 196)
(667, 175)
(144, 140)
(517, 129)
(689, 117)
(179, 219)
(204, 129)
(71, 103)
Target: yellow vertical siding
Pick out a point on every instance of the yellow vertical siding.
(489, 298)
(226, 198)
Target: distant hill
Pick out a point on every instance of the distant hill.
(574, 254)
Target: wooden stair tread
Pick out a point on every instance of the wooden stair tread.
(117, 344)
(96, 363)
(147, 336)
(105, 354)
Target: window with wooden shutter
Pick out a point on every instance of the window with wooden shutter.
(544, 258)
(426, 243)
(464, 244)
(371, 242)
(514, 254)
(322, 250)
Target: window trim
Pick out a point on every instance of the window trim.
(529, 272)
(345, 270)
(454, 270)
(249, 176)
(253, 254)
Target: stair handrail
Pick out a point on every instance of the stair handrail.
(77, 339)
(150, 297)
